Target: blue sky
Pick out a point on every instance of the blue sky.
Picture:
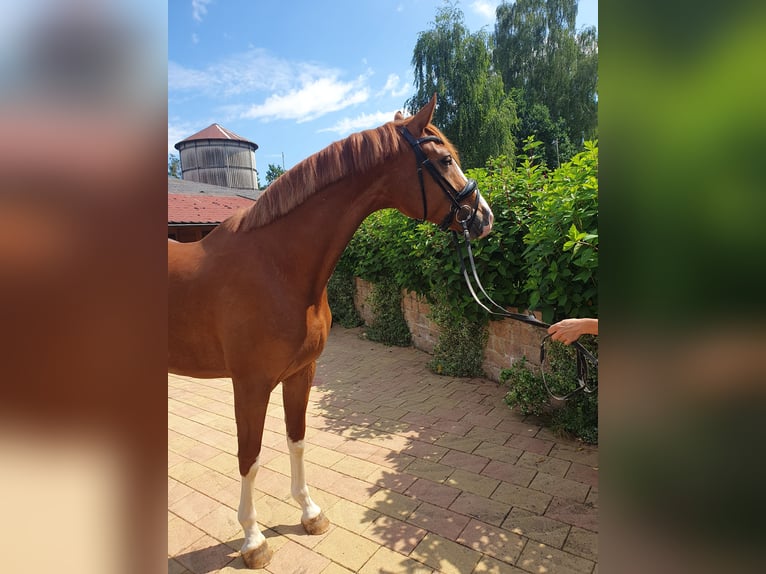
(294, 76)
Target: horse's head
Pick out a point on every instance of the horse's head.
(448, 198)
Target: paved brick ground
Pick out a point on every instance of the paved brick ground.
(418, 474)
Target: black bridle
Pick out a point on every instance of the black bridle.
(463, 214)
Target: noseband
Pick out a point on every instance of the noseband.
(463, 214)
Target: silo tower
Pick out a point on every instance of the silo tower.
(218, 156)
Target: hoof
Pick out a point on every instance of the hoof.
(259, 556)
(317, 525)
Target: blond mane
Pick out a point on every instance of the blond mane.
(356, 154)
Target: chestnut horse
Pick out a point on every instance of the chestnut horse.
(249, 301)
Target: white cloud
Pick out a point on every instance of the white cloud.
(245, 73)
(178, 131)
(394, 87)
(199, 9)
(281, 89)
(485, 8)
(195, 39)
(361, 122)
(315, 97)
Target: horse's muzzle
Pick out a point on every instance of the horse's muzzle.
(481, 223)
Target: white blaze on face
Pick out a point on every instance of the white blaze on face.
(484, 209)
(483, 212)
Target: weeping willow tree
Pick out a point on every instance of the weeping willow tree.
(472, 109)
(552, 70)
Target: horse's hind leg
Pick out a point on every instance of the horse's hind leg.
(251, 399)
(295, 394)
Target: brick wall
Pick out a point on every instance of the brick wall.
(508, 341)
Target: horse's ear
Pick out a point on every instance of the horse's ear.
(423, 117)
(398, 116)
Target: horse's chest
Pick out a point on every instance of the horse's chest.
(317, 330)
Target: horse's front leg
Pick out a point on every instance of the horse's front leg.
(251, 399)
(295, 394)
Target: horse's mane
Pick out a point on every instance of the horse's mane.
(356, 154)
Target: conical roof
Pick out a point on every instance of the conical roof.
(216, 132)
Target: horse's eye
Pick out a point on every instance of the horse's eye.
(447, 160)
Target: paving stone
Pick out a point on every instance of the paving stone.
(508, 472)
(496, 542)
(576, 452)
(426, 451)
(560, 487)
(356, 467)
(175, 567)
(445, 555)
(292, 558)
(181, 534)
(392, 503)
(539, 528)
(206, 555)
(386, 561)
(521, 497)
(347, 549)
(394, 534)
(584, 515)
(484, 509)
(353, 516)
(472, 482)
(538, 557)
(530, 444)
(193, 506)
(430, 470)
(465, 461)
(489, 565)
(583, 543)
(461, 443)
(583, 473)
(221, 524)
(334, 568)
(546, 464)
(441, 521)
(176, 490)
(437, 494)
(498, 452)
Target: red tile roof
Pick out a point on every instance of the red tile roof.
(203, 208)
(215, 132)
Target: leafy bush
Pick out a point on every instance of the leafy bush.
(460, 349)
(388, 326)
(340, 296)
(578, 415)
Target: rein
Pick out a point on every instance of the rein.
(583, 355)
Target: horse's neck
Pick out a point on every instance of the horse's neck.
(313, 236)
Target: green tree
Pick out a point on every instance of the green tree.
(273, 173)
(547, 63)
(174, 166)
(472, 109)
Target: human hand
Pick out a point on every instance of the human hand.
(568, 331)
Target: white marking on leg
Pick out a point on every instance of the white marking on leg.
(246, 513)
(298, 486)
